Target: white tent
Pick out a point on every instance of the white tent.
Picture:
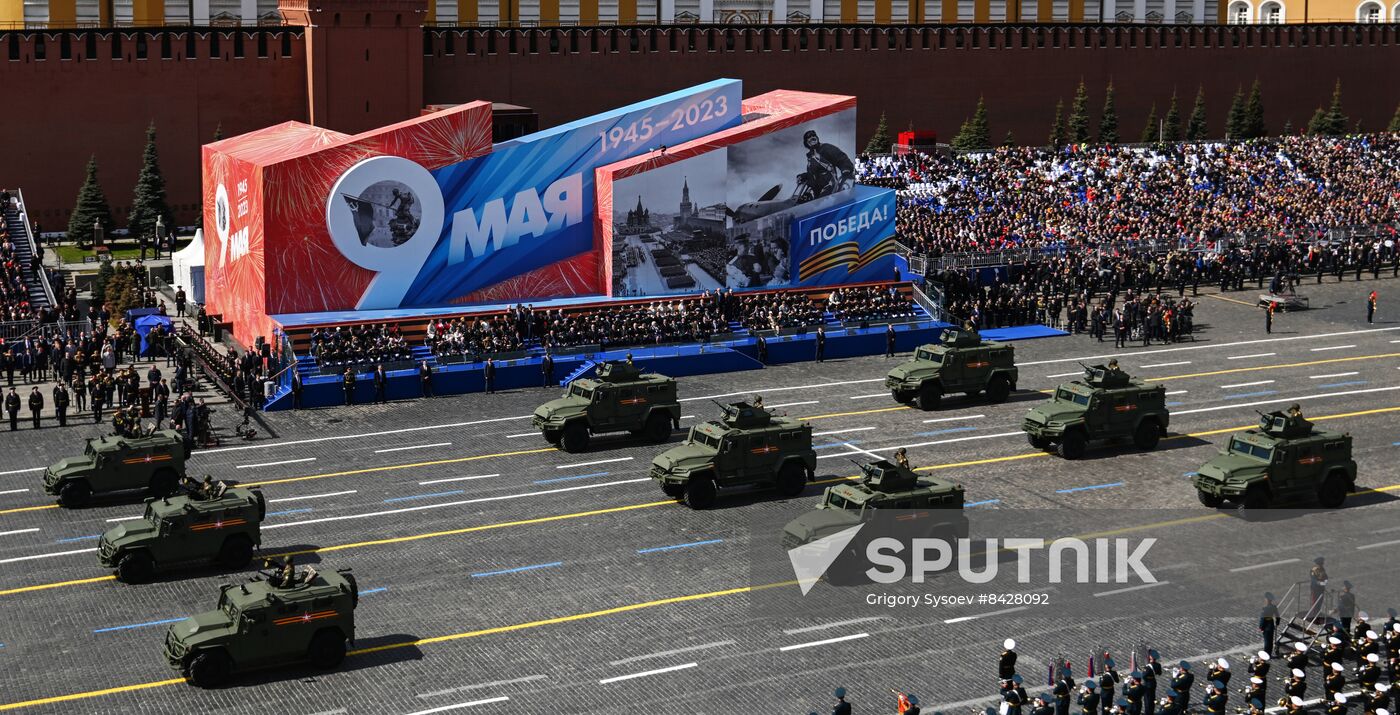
(188, 264)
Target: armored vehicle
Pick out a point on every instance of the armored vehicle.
(1106, 404)
(1282, 461)
(185, 530)
(621, 398)
(154, 463)
(961, 362)
(266, 623)
(749, 446)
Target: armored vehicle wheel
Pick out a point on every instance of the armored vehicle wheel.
(1333, 491)
(1037, 442)
(1255, 498)
(236, 552)
(930, 394)
(658, 428)
(209, 669)
(327, 649)
(1146, 435)
(1209, 500)
(74, 494)
(136, 567)
(900, 397)
(998, 389)
(675, 491)
(164, 482)
(553, 436)
(792, 479)
(575, 437)
(1072, 445)
(700, 493)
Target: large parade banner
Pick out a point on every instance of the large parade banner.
(850, 243)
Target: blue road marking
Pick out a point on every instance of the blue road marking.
(289, 511)
(980, 503)
(679, 546)
(1344, 384)
(836, 444)
(374, 590)
(139, 625)
(944, 431)
(78, 538)
(425, 496)
(1260, 393)
(1175, 404)
(518, 569)
(569, 479)
(1192, 474)
(1085, 489)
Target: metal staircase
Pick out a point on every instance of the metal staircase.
(40, 294)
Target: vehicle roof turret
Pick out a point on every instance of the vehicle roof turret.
(887, 480)
(960, 338)
(618, 372)
(233, 498)
(1102, 376)
(1279, 424)
(742, 415)
(259, 591)
(117, 442)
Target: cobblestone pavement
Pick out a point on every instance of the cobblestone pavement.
(495, 567)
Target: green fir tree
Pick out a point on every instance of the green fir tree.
(975, 134)
(1318, 124)
(1009, 140)
(880, 142)
(1197, 128)
(148, 203)
(1394, 125)
(1336, 118)
(1234, 121)
(1171, 126)
(91, 206)
(1254, 127)
(1108, 122)
(1288, 128)
(1150, 131)
(219, 131)
(1057, 127)
(1079, 116)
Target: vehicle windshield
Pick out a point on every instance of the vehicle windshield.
(227, 607)
(928, 355)
(836, 501)
(151, 516)
(581, 391)
(1251, 450)
(1063, 395)
(710, 441)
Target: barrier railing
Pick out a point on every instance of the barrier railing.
(34, 248)
(20, 329)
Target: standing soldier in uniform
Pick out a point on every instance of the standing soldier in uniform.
(297, 389)
(1258, 689)
(1334, 680)
(1042, 705)
(1013, 697)
(1371, 307)
(1088, 699)
(1269, 318)
(1064, 690)
(1268, 622)
(1150, 670)
(349, 385)
(1317, 586)
(1182, 680)
(489, 373)
(889, 340)
(1297, 686)
(381, 382)
(1216, 698)
(547, 369)
(60, 403)
(1169, 705)
(1219, 672)
(36, 405)
(1337, 704)
(841, 707)
(1108, 681)
(1335, 653)
(12, 409)
(1346, 606)
(1006, 665)
(1134, 692)
(1377, 698)
(821, 343)
(1369, 672)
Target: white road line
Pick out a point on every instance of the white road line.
(843, 431)
(416, 446)
(1387, 530)
(1164, 364)
(837, 624)
(1175, 392)
(954, 419)
(1359, 548)
(124, 518)
(273, 464)
(858, 450)
(462, 502)
(645, 673)
(361, 435)
(1247, 384)
(13, 491)
(1066, 374)
(457, 479)
(45, 556)
(1331, 347)
(479, 686)
(1138, 587)
(18, 531)
(1247, 357)
(1017, 433)
(687, 417)
(1290, 547)
(522, 434)
(1260, 341)
(1335, 374)
(813, 644)
(1265, 565)
(313, 496)
(460, 706)
(678, 651)
(1276, 400)
(1003, 611)
(599, 461)
(337, 711)
(793, 404)
(866, 397)
(24, 471)
(770, 390)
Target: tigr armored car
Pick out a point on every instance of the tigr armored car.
(154, 463)
(1282, 461)
(620, 399)
(185, 530)
(961, 362)
(1106, 404)
(749, 446)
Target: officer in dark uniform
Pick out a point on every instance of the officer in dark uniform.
(1108, 681)
(1006, 665)
(1064, 690)
(1182, 680)
(381, 382)
(1041, 707)
(821, 343)
(1377, 698)
(1346, 606)
(1369, 673)
(1169, 705)
(1334, 680)
(1335, 652)
(1216, 698)
(60, 403)
(297, 389)
(489, 372)
(1259, 665)
(348, 383)
(1014, 697)
(889, 341)
(36, 405)
(1219, 672)
(1299, 659)
(841, 707)
(1337, 705)
(1268, 622)
(1269, 318)
(762, 344)
(12, 409)
(1258, 689)
(1317, 585)
(1150, 670)
(547, 369)
(1088, 699)
(1134, 692)
(1297, 686)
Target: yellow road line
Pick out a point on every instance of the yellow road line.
(1232, 300)
(858, 412)
(60, 584)
(90, 694)
(396, 467)
(28, 508)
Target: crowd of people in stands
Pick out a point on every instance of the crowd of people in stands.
(869, 303)
(365, 344)
(1094, 196)
(777, 311)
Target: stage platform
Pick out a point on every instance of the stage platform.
(674, 360)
